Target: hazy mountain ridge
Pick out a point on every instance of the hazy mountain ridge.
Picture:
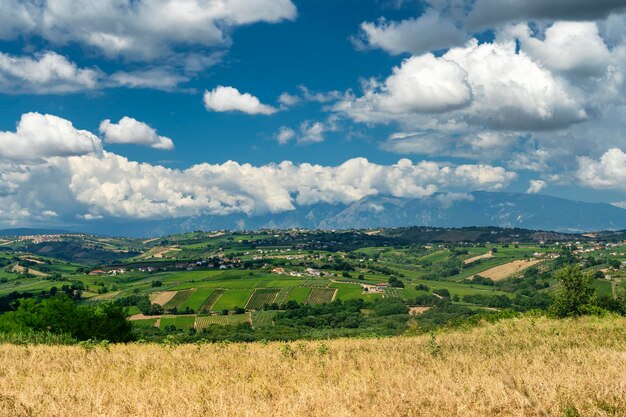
(528, 211)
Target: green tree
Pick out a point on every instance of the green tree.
(575, 298)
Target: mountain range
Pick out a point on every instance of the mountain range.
(528, 211)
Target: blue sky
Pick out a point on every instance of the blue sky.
(468, 94)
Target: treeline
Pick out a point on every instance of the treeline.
(59, 315)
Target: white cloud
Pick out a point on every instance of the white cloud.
(536, 186)
(154, 78)
(568, 46)
(609, 172)
(483, 145)
(487, 85)
(42, 136)
(285, 134)
(131, 131)
(45, 73)
(74, 178)
(422, 84)
(137, 29)
(116, 186)
(224, 99)
(428, 32)
(312, 132)
(288, 100)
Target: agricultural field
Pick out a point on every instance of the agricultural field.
(511, 268)
(196, 299)
(233, 298)
(261, 297)
(207, 305)
(178, 298)
(321, 295)
(180, 322)
(202, 273)
(520, 367)
(202, 322)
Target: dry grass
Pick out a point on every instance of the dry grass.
(504, 271)
(476, 258)
(21, 269)
(526, 367)
(162, 298)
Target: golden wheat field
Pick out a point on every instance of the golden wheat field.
(520, 367)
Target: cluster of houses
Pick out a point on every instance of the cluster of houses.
(45, 238)
(309, 271)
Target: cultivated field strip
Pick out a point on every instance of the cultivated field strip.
(393, 292)
(321, 295)
(211, 299)
(260, 297)
(164, 297)
(263, 318)
(202, 322)
(315, 282)
(179, 298)
(504, 271)
(283, 295)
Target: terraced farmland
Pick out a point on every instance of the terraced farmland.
(320, 295)
(211, 299)
(261, 297)
(203, 322)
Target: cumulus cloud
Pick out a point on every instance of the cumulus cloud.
(225, 99)
(568, 46)
(45, 73)
(132, 131)
(115, 186)
(137, 29)
(608, 172)
(489, 84)
(42, 136)
(487, 13)
(75, 178)
(428, 32)
(536, 186)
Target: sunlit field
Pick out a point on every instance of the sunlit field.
(519, 367)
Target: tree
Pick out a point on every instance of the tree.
(575, 298)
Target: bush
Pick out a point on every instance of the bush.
(443, 292)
